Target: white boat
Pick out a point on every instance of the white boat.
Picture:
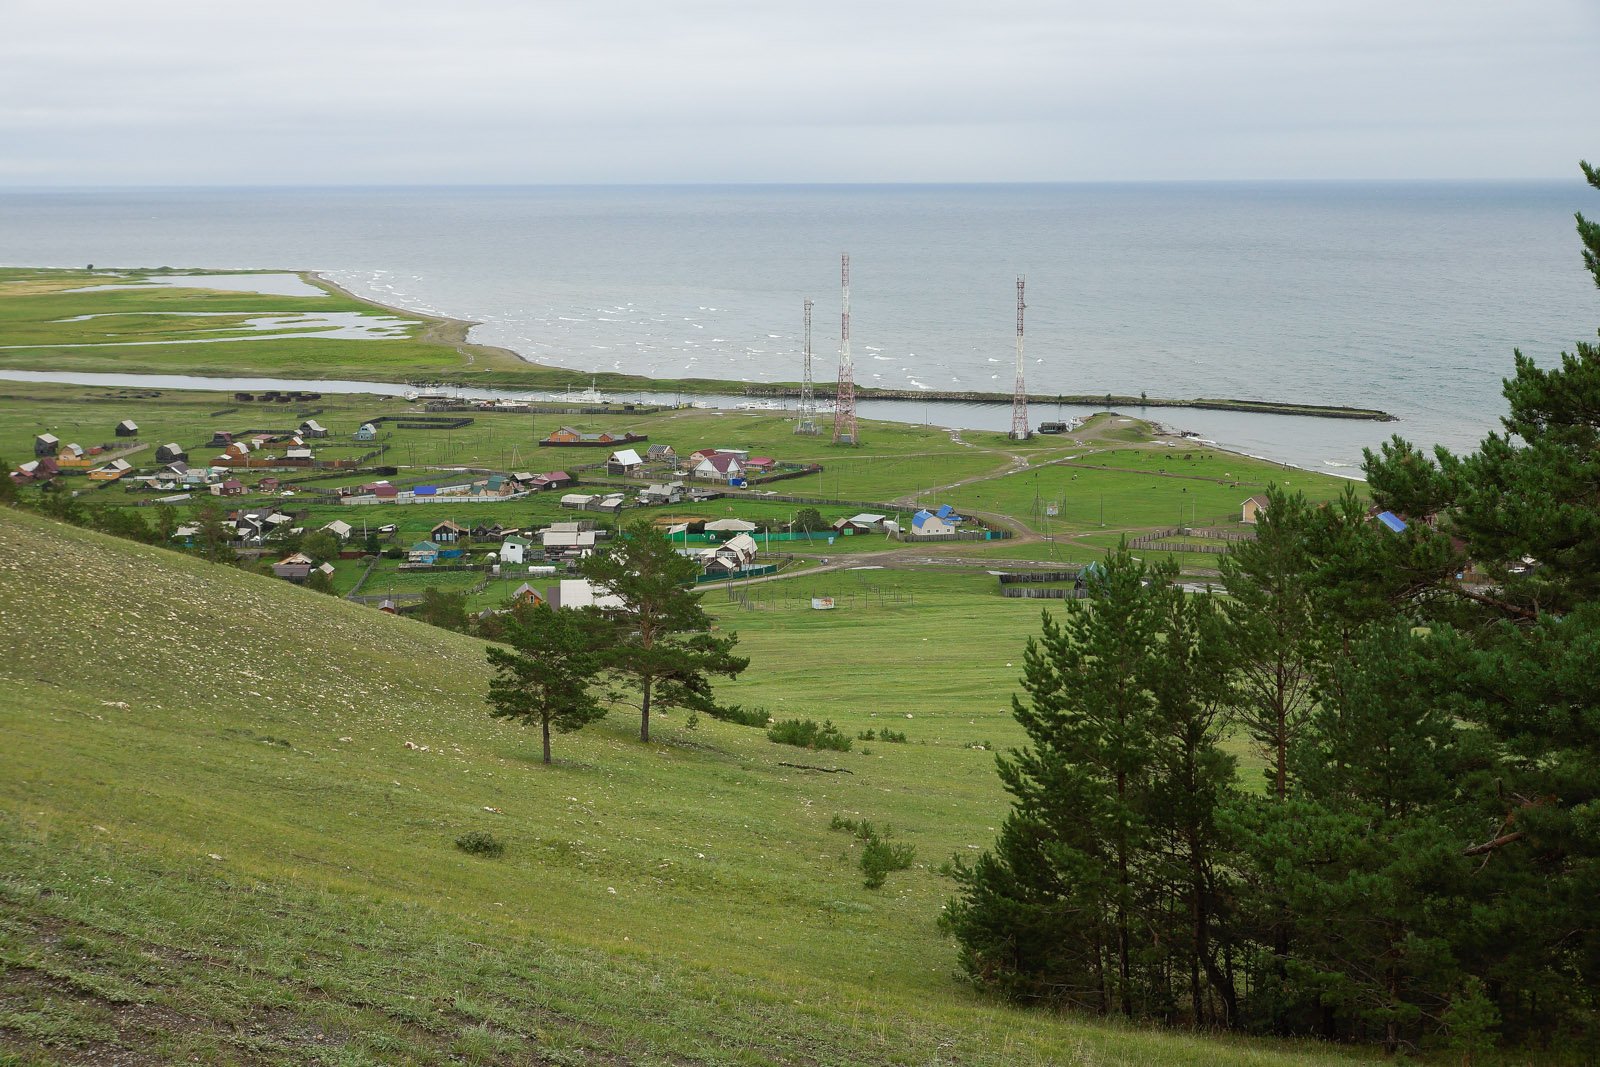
(590, 395)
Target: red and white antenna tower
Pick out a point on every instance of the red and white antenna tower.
(844, 401)
(1019, 397)
(807, 422)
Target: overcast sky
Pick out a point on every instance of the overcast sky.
(535, 91)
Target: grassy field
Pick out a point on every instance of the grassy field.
(222, 849)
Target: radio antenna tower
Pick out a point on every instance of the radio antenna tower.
(807, 422)
(1019, 397)
(844, 401)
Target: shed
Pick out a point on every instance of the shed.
(298, 454)
(312, 428)
(171, 452)
(340, 529)
(577, 500)
(866, 522)
(366, 432)
(624, 462)
(127, 428)
(1251, 509)
(46, 444)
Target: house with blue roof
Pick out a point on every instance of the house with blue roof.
(948, 514)
(928, 524)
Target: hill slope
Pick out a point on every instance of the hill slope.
(215, 843)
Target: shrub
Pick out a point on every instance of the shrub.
(889, 736)
(879, 855)
(480, 843)
(744, 716)
(807, 733)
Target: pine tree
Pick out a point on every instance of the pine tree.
(548, 673)
(664, 643)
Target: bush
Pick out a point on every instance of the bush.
(744, 716)
(480, 843)
(879, 855)
(886, 735)
(807, 733)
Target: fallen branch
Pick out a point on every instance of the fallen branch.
(1490, 846)
(825, 770)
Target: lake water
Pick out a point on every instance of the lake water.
(1403, 296)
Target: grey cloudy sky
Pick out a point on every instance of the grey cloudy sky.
(513, 91)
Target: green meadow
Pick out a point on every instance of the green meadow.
(228, 808)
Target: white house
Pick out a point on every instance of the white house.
(514, 550)
(927, 524)
(581, 593)
(340, 529)
(719, 468)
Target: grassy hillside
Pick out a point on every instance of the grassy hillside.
(215, 843)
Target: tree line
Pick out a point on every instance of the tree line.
(1418, 864)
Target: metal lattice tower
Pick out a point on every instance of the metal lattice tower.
(844, 401)
(1019, 397)
(807, 422)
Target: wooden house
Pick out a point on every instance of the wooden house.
(127, 428)
(340, 529)
(35, 470)
(46, 444)
(367, 432)
(312, 428)
(296, 568)
(514, 550)
(111, 471)
(423, 552)
(625, 462)
(660, 454)
(446, 532)
(171, 452)
(1250, 511)
(860, 524)
(552, 480)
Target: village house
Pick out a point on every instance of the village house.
(70, 455)
(860, 524)
(425, 552)
(527, 594)
(269, 484)
(625, 463)
(514, 550)
(170, 452)
(111, 471)
(730, 526)
(296, 568)
(446, 532)
(340, 529)
(220, 439)
(720, 467)
(562, 544)
(385, 491)
(366, 432)
(36, 470)
(566, 435)
(312, 428)
(1250, 511)
(127, 428)
(660, 454)
(927, 524)
(731, 556)
(759, 465)
(490, 532)
(46, 444)
(670, 493)
(580, 593)
(552, 480)
(231, 487)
